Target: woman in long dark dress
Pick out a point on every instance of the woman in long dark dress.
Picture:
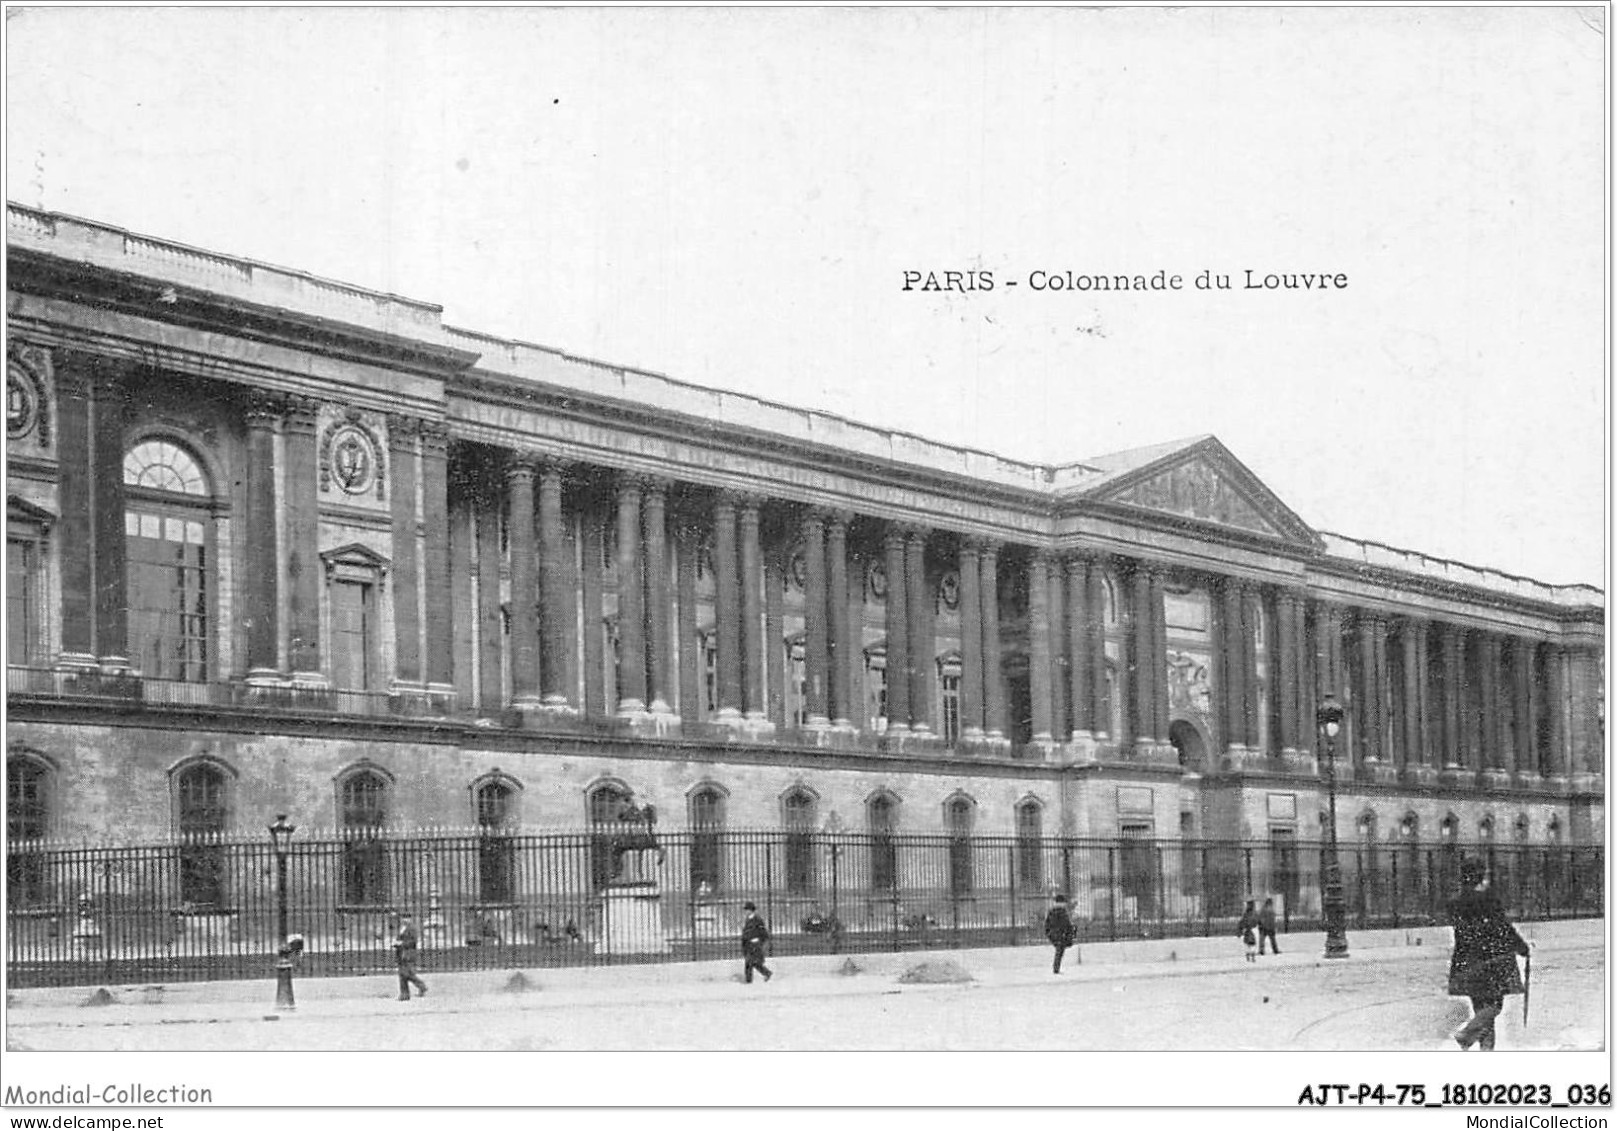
(1484, 964)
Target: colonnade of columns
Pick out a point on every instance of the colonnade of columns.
(1444, 702)
(1426, 699)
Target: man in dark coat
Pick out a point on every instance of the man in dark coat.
(1484, 964)
(754, 934)
(1266, 927)
(1059, 930)
(404, 951)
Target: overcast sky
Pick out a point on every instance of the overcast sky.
(732, 198)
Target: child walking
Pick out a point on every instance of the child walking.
(1246, 928)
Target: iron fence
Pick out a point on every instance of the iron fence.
(205, 907)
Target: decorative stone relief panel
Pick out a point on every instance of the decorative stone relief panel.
(28, 397)
(1197, 489)
(353, 458)
(1189, 688)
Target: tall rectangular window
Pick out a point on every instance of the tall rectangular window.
(168, 595)
(351, 633)
(22, 602)
(949, 689)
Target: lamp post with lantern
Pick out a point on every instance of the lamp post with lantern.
(833, 846)
(1329, 719)
(281, 837)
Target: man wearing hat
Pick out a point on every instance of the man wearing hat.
(1486, 946)
(754, 934)
(1058, 929)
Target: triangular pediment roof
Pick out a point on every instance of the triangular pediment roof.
(1197, 480)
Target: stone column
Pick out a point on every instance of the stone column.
(462, 588)
(1453, 670)
(1583, 687)
(775, 634)
(1039, 679)
(1386, 722)
(1060, 668)
(1283, 661)
(260, 595)
(687, 544)
(557, 614)
(1080, 626)
(1368, 710)
(1430, 728)
(1412, 639)
(816, 631)
(923, 645)
(77, 562)
(440, 666)
(1497, 772)
(659, 598)
(592, 555)
(1142, 670)
(853, 669)
(303, 565)
(519, 477)
(1557, 763)
(1232, 664)
(1095, 630)
(755, 654)
(727, 601)
(994, 712)
(108, 406)
(631, 600)
(1159, 659)
(898, 634)
(401, 442)
(971, 641)
(490, 619)
(1251, 698)
(839, 652)
(1523, 679)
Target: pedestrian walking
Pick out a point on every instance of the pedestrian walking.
(1266, 927)
(404, 952)
(1246, 927)
(1484, 964)
(754, 934)
(1059, 930)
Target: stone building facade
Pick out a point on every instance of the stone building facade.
(278, 544)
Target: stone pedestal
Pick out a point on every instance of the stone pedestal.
(632, 919)
(1456, 776)
(1421, 775)
(1496, 779)
(1300, 762)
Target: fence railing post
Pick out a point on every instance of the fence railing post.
(1010, 884)
(1111, 888)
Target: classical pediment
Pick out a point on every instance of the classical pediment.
(1204, 483)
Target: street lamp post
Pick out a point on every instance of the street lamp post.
(1329, 719)
(833, 829)
(281, 837)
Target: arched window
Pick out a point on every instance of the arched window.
(1111, 707)
(881, 817)
(28, 799)
(364, 804)
(1522, 828)
(169, 561)
(800, 815)
(1030, 844)
(707, 837)
(496, 854)
(203, 815)
(959, 814)
(603, 804)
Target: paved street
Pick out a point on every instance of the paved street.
(1386, 998)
